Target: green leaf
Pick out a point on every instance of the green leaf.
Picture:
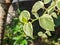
(18, 11)
(17, 38)
(51, 8)
(58, 4)
(57, 21)
(37, 6)
(15, 43)
(24, 16)
(46, 22)
(40, 33)
(54, 15)
(36, 15)
(28, 29)
(24, 42)
(44, 36)
(48, 33)
(46, 1)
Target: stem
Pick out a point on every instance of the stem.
(34, 20)
(48, 9)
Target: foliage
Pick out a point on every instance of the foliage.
(23, 28)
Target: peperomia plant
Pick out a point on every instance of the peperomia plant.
(46, 20)
(25, 29)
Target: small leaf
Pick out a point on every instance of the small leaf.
(58, 4)
(46, 22)
(57, 21)
(15, 43)
(28, 29)
(25, 42)
(46, 1)
(48, 33)
(51, 7)
(36, 15)
(24, 16)
(37, 6)
(18, 11)
(40, 33)
(54, 15)
(44, 36)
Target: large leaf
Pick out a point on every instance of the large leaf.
(28, 29)
(24, 16)
(37, 6)
(58, 4)
(46, 22)
(46, 1)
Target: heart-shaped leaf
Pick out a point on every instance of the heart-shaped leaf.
(37, 6)
(24, 16)
(28, 29)
(46, 22)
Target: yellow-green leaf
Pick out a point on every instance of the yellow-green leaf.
(24, 16)
(46, 1)
(48, 33)
(54, 14)
(37, 6)
(40, 33)
(28, 29)
(58, 4)
(46, 22)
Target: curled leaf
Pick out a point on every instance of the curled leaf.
(24, 16)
